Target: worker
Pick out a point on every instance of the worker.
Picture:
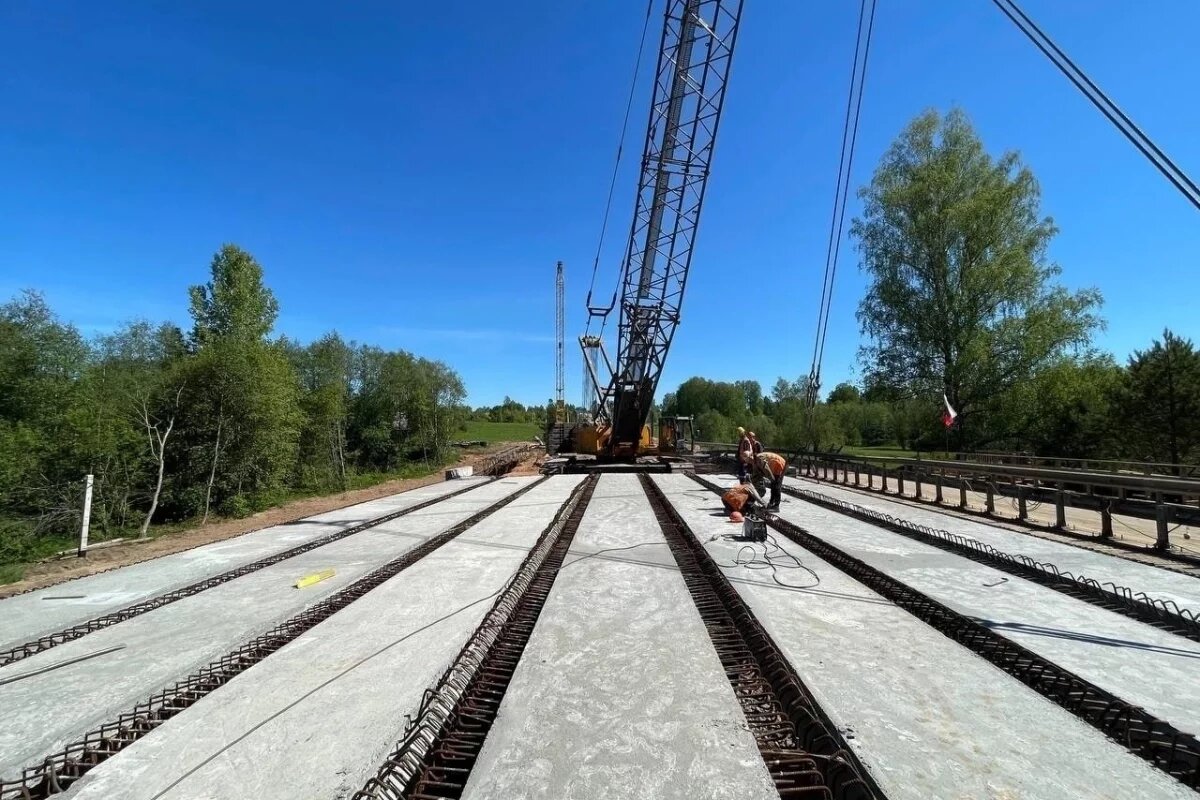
(755, 445)
(740, 500)
(770, 467)
(745, 455)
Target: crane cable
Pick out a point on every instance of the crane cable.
(1101, 101)
(637, 68)
(858, 76)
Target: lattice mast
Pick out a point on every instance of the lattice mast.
(560, 371)
(689, 91)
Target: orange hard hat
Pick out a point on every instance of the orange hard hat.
(736, 516)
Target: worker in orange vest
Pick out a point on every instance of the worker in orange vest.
(745, 455)
(770, 467)
(741, 499)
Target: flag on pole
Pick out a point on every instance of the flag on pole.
(949, 415)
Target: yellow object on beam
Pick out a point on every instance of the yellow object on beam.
(316, 577)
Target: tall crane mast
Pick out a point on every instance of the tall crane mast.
(560, 329)
(694, 58)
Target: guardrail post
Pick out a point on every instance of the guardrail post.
(1060, 507)
(85, 524)
(1160, 517)
(990, 508)
(1022, 510)
(937, 492)
(962, 493)
(917, 481)
(900, 481)
(856, 467)
(1106, 529)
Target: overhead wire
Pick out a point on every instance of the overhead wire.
(637, 68)
(858, 75)
(1161, 161)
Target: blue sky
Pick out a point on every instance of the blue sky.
(409, 173)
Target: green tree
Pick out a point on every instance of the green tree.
(324, 371)
(41, 362)
(961, 297)
(713, 426)
(132, 391)
(844, 393)
(1159, 401)
(235, 305)
(752, 395)
(242, 402)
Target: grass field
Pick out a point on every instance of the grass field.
(499, 431)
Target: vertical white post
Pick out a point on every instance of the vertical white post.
(87, 517)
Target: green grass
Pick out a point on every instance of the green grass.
(491, 432)
(893, 452)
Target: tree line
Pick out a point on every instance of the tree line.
(223, 418)
(962, 300)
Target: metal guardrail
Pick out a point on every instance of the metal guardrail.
(1163, 499)
(1166, 499)
(1100, 465)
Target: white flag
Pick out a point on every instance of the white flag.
(949, 415)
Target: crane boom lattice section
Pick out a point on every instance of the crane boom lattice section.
(689, 91)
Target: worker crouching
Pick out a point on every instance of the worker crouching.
(740, 500)
(770, 467)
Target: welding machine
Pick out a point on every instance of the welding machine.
(754, 527)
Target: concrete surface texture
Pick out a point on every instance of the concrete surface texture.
(317, 718)
(1138, 663)
(929, 718)
(1164, 584)
(28, 616)
(169, 643)
(619, 693)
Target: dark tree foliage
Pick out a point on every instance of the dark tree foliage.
(231, 418)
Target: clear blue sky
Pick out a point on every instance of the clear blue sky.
(408, 173)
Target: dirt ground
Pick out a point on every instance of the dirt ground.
(51, 571)
(530, 465)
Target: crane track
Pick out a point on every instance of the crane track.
(803, 750)
(74, 632)
(1157, 741)
(1163, 614)
(58, 771)
(435, 756)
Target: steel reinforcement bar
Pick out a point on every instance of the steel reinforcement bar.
(137, 609)
(1171, 750)
(803, 750)
(1164, 614)
(58, 771)
(439, 748)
